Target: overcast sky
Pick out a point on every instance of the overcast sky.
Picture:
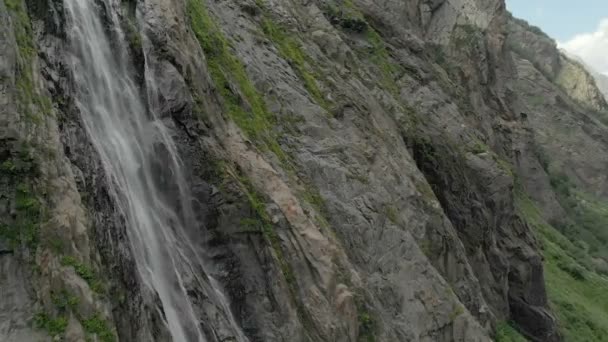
(580, 27)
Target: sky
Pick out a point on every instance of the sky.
(580, 27)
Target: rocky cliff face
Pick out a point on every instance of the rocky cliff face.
(359, 171)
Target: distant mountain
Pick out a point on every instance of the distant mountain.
(600, 79)
(602, 82)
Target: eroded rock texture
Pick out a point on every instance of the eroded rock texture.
(354, 167)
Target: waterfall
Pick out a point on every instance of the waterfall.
(130, 139)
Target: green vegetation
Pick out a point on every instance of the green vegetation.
(348, 17)
(312, 195)
(506, 333)
(84, 272)
(96, 325)
(466, 36)
(132, 34)
(63, 300)
(479, 147)
(458, 310)
(392, 214)
(18, 171)
(260, 221)
(536, 100)
(379, 56)
(27, 94)
(367, 322)
(588, 215)
(131, 30)
(23, 230)
(291, 51)
(576, 293)
(345, 16)
(54, 326)
(243, 102)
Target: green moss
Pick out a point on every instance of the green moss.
(478, 147)
(290, 50)
(379, 56)
(506, 333)
(458, 310)
(97, 326)
(345, 16)
(54, 326)
(84, 272)
(536, 100)
(392, 214)
(466, 37)
(260, 221)
(367, 324)
(437, 54)
(312, 195)
(24, 229)
(424, 188)
(64, 301)
(133, 35)
(55, 244)
(30, 103)
(232, 82)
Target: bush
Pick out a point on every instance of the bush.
(574, 270)
(506, 333)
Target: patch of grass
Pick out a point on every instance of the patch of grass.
(30, 103)
(345, 17)
(63, 300)
(458, 310)
(392, 214)
(24, 229)
(290, 50)
(466, 36)
(19, 170)
(536, 100)
(506, 333)
(580, 303)
(54, 326)
(96, 325)
(367, 324)
(576, 295)
(132, 34)
(260, 221)
(243, 102)
(380, 57)
(84, 272)
(588, 214)
(312, 195)
(478, 147)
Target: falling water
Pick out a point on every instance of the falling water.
(129, 139)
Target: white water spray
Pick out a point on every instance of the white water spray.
(129, 139)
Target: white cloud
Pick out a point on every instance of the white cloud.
(592, 48)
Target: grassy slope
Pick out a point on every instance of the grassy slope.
(577, 293)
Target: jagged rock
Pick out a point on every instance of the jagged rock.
(353, 168)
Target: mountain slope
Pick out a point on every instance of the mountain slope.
(357, 170)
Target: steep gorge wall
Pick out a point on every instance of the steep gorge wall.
(355, 167)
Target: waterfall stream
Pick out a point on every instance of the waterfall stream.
(130, 140)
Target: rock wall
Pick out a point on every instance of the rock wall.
(354, 166)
